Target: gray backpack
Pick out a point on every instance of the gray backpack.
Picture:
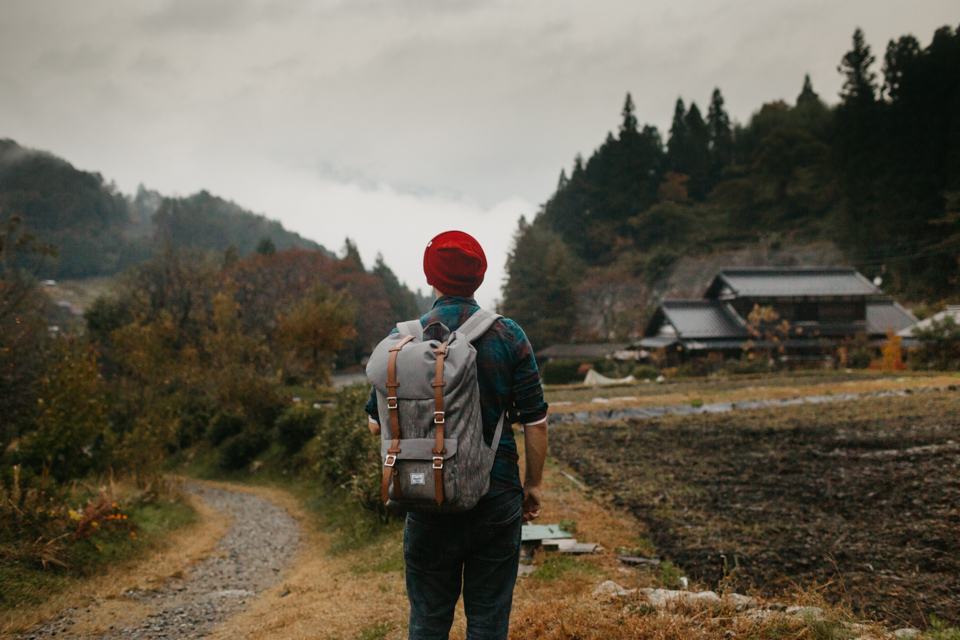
(434, 455)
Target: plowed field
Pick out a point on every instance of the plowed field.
(862, 497)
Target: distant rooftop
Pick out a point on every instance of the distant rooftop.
(595, 350)
(769, 282)
(700, 319)
(888, 316)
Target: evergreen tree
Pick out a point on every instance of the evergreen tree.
(266, 247)
(352, 255)
(860, 85)
(721, 134)
(896, 61)
(698, 159)
(629, 124)
(539, 292)
(403, 303)
(807, 94)
(679, 141)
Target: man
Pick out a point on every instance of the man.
(478, 550)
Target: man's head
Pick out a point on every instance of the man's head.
(454, 263)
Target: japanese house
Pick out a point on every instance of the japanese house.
(815, 310)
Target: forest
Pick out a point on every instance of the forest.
(99, 231)
(877, 175)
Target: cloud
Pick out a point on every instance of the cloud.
(340, 117)
(86, 57)
(202, 16)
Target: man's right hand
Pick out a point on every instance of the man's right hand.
(531, 503)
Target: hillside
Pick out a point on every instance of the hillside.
(873, 181)
(99, 231)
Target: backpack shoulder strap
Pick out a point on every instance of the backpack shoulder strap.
(411, 328)
(477, 324)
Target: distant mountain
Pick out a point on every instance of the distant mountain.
(99, 231)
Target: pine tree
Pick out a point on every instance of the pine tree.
(860, 86)
(352, 254)
(629, 124)
(679, 139)
(807, 94)
(539, 293)
(698, 159)
(403, 303)
(721, 135)
(898, 57)
(266, 247)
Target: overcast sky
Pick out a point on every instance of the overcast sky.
(390, 121)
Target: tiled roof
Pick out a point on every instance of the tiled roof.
(777, 281)
(949, 312)
(888, 316)
(703, 319)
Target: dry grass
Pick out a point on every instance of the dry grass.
(183, 549)
(625, 398)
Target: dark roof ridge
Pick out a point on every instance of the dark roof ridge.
(798, 270)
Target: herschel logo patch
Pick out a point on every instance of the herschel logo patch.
(416, 478)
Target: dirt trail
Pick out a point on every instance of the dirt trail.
(258, 546)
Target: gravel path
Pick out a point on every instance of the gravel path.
(259, 544)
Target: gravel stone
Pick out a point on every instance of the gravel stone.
(258, 546)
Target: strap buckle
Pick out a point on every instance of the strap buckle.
(391, 402)
(437, 463)
(390, 460)
(438, 417)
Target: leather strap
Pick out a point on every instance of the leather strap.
(389, 470)
(438, 420)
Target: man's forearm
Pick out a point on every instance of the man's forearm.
(535, 448)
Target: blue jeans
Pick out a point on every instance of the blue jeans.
(478, 549)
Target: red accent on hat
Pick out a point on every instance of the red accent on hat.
(454, 263)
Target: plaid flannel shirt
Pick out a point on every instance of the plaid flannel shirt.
(508, 379)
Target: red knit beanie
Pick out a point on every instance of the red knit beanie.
(454, 263)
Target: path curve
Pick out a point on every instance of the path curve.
(260, 543)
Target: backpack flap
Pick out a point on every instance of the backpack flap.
(416, 473)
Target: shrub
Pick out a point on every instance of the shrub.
(223, 426)
(296, 426)
(746, 365)
(70, 412)
(939, 346)
(238, 451)
(645, 371)
(344, 453)
(567, 371)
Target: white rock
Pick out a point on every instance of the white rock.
(667, 598)
(611, 588)
(906, 632)
(740, 602)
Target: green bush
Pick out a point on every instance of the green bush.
(565, 371)
(746, 365)
(296, 426)
(236, 452)
(70, 414)
(939, 347)
(223, 426)
(645, 371)
(860, 353)
(343, 452)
